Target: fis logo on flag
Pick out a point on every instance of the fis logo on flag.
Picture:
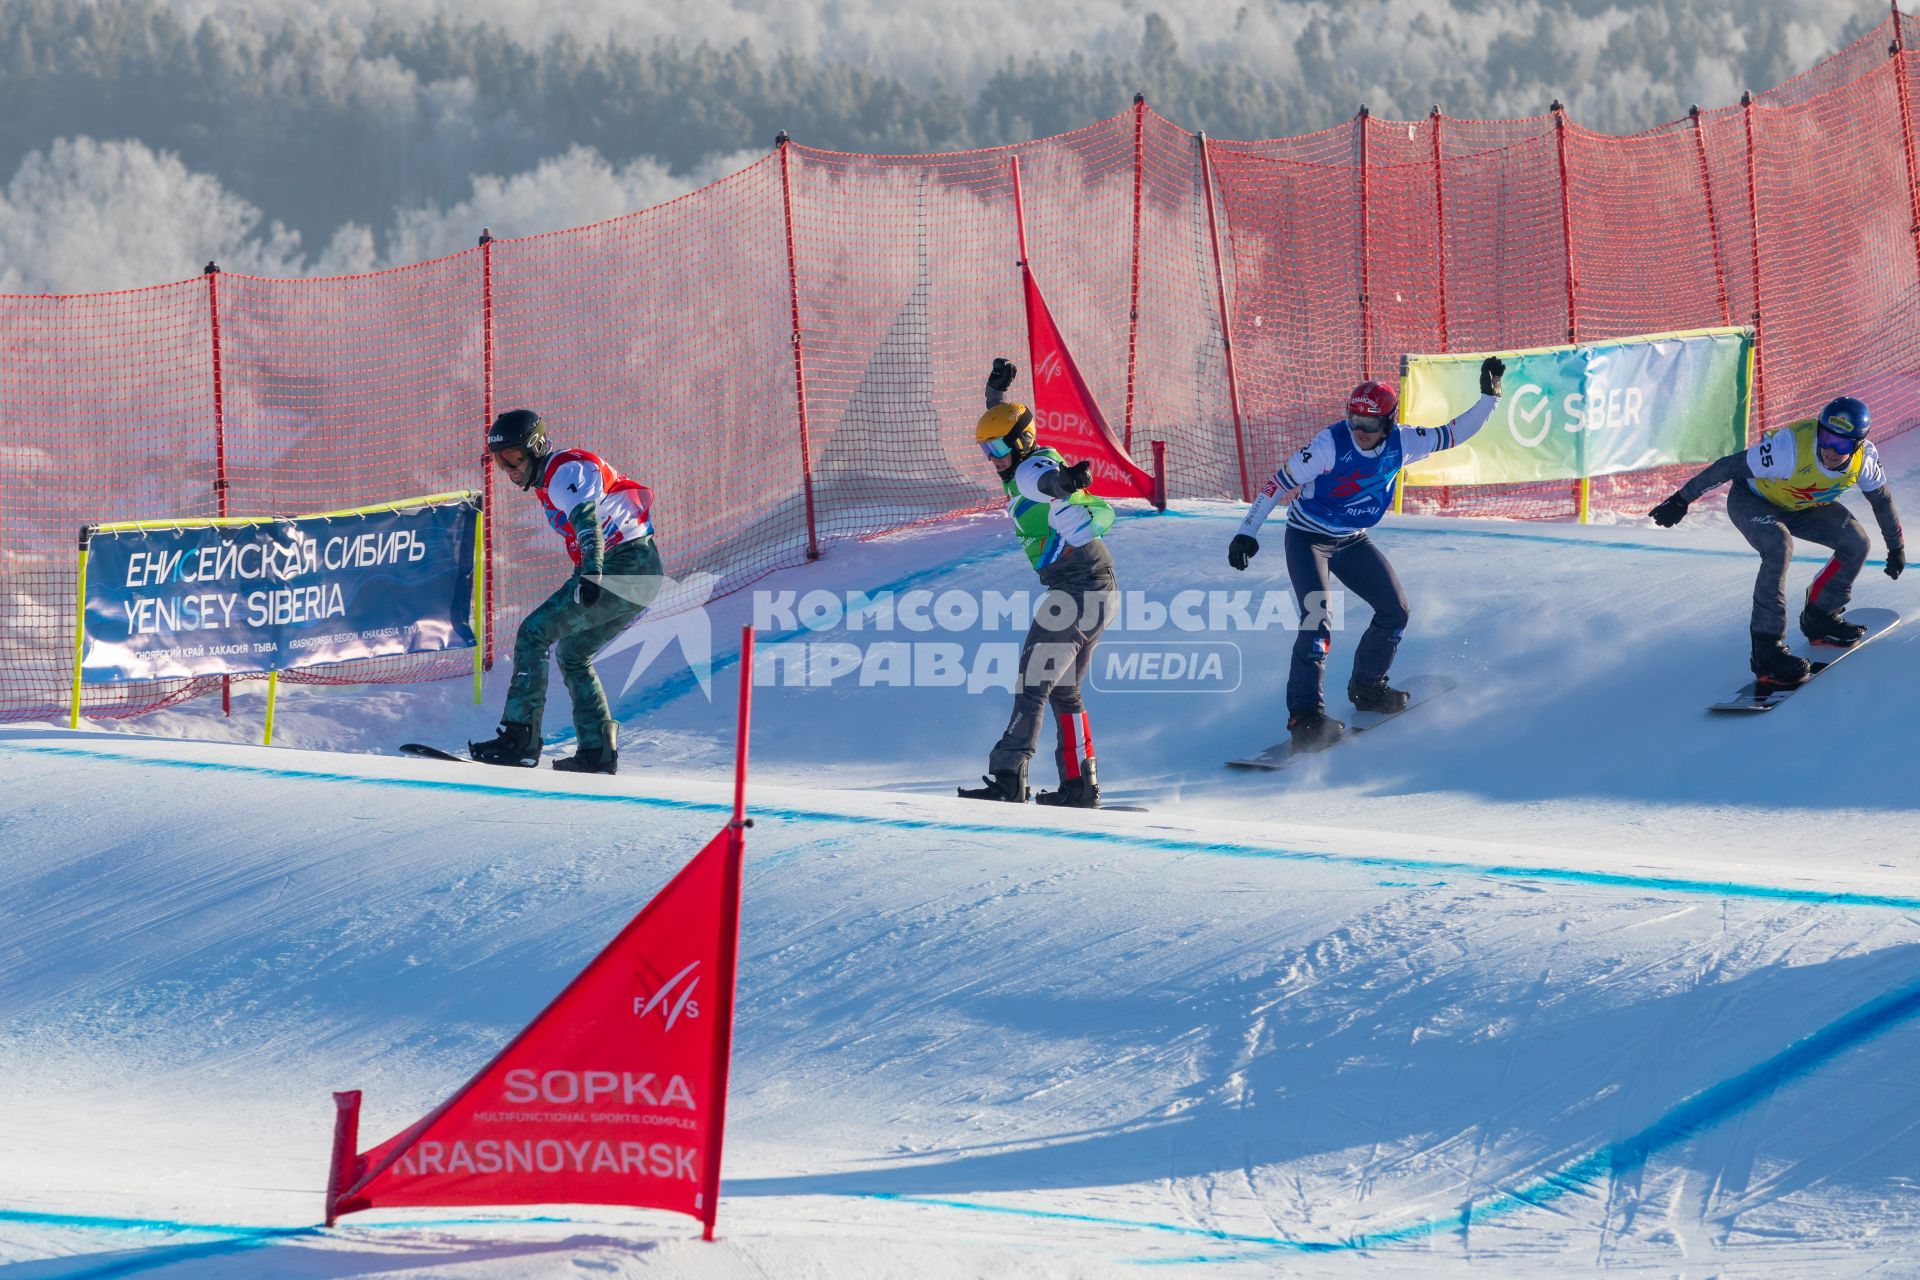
(673, 999)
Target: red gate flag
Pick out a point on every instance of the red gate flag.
(615, 1093)
(1065, 414)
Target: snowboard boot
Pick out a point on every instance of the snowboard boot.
(1314, 730)
(1009, 785)
(1082, 792)
(1378, 696)
(601, 759)
(1774, 667)
(590, 760)
(1822, 627)
(514, 745)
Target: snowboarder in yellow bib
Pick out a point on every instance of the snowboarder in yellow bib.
(1061, 526)
(1788, 485)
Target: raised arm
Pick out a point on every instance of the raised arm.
(1421, 442)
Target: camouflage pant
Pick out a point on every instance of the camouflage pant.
(574, 633)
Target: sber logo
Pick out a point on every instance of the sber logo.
(674, 998)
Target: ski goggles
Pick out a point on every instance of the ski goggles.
(1368, 422)
(1842, 445)
(1007, 445)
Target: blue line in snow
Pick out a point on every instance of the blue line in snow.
(1691, 1117)
(1158, 844)
(1549, 539)
(242, 1237)
(684, 682)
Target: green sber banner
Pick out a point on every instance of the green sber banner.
(1596, 409)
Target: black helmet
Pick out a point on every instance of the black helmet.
(520, 429)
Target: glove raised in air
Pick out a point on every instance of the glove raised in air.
(1491, 370)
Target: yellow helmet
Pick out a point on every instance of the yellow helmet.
(996, 425)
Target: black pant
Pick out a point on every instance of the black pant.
(1067, 623)
(1772, 529)
(1360, 567)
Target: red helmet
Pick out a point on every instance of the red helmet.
(1374, 400)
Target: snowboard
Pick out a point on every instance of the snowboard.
(426, 752)
(1419, 689)
(422, 751)
(1753, 698)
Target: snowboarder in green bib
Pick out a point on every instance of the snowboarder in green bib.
(1060, 524)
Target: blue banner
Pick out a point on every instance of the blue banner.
(277, 594)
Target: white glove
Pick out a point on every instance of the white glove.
(1073, 522)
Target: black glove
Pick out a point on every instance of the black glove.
(1671, 512)
(1896, 561)
(1242, 550)
(1076, 477)
(589, 593)
(1490, 370)
(1002, 376)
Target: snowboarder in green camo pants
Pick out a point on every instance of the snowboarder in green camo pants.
(605, 519)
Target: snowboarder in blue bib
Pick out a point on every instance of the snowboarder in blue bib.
(1345, 478)
(1787, 485)
(1061, 526)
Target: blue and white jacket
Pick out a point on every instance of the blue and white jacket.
(1344, 488)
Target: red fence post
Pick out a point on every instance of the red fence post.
(1894, 50)
(1581, 487)
(1366, 309)
(220, 486)
(1713, 219)
(1440, 226)
(1753, 235)
(1159, 475)
(1566, 216)
(1226, 326)
(1133, 289)
(782, 142)
(486, 410)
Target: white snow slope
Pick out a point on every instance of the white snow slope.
(1556, 974)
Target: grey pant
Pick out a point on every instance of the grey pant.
(575, 632)
(1058, 652)
(1772, 530)
(1360, 567)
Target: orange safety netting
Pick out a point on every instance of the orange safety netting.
(794, 355)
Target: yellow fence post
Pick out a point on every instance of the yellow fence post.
(273, 692)
(1586, 498)
(79, 629)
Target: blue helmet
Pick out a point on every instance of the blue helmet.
(1845, 417)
